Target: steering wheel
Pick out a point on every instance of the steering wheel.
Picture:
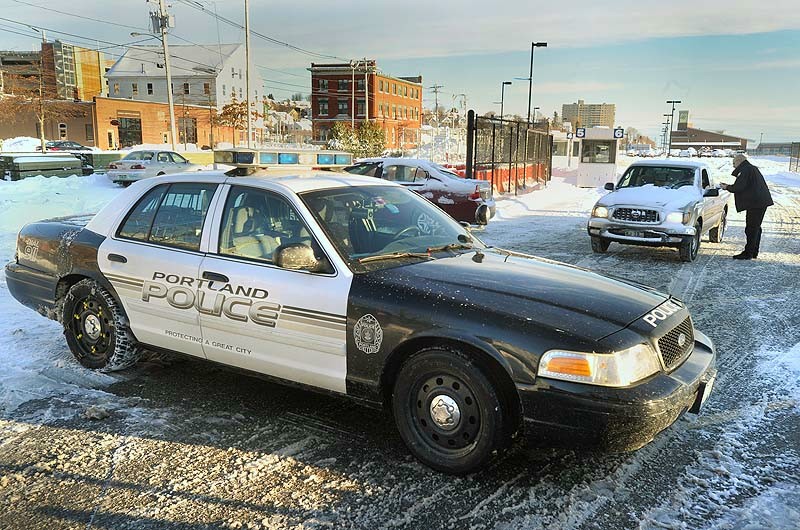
(406, 232)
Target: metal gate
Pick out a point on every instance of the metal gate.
(515, 156)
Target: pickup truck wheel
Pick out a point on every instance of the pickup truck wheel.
(716, 234)
(448, 412)
(96, 328)
(690, 246)
(599, 244)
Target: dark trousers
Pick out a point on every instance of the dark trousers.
(752, 229)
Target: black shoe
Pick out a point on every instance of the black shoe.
(743, 255)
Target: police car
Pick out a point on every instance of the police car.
(329, 281)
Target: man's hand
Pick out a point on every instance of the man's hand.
(723, 186)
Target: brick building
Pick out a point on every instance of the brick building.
(393, 102)
(589, 115)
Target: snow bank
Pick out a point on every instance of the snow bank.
(35, 360)
(20, 144)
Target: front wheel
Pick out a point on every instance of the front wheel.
(448, 412)
(96, 329)
(599, 244)
(690, 245)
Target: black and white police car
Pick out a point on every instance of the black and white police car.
(326, 280)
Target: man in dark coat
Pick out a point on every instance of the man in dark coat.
(751, 194)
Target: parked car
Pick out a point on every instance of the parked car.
(64, 145)
(138, 165)
(326, 281)
(684, 153)
(466, 200)
(661, 203)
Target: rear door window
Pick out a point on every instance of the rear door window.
(170, 215)
(164, 158)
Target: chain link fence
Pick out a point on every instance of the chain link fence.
(516, 156)
(794, 159)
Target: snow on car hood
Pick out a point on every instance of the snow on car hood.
(654, 196)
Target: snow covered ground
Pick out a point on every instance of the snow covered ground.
(187, 445)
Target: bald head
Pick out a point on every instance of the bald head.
(738, 159)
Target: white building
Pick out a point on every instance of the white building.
(201, 75)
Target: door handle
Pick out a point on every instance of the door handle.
(215, 277)
(118, 258)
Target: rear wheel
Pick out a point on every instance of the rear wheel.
(448, 412)
(599, 244)
(96, 328)
(716, 234)
(690, 245)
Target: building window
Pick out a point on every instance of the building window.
(149, 89)
(394, 111)
(380, 86)
(116, 89)
(323, 106)
(323, 85)
(135, 89)
(361, 107)
(233, 72)
(206, 88)
(223, 90)
(240, 92)
(89, 132)
(62, 131)
(342, 106)
(344, 85)
(240, 73)
(360, 84)
(405, 91)
(186, 88)
(394, 88)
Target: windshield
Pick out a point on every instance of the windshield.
(368, 221)
(661, 176)
(447, 171)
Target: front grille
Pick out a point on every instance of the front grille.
(636, 214)
(669, 347)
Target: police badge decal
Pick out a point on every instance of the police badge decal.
(368, 334)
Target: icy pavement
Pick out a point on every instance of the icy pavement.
(190, 445)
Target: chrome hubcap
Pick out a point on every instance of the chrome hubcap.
(445, 412)
(92, 327)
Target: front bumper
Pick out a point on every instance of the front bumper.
(617, 419)
(661, 234)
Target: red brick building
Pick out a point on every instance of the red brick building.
(393, 102)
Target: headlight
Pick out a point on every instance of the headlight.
(620, 368)
(679, 217)
(600, 211)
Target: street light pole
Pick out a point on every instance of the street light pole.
(671, 121)
(163, 26)
(534, 45)
(503, 95)
(247, 69)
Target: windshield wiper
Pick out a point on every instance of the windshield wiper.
(452, 246)
(394, 255)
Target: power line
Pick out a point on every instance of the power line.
(79, 16)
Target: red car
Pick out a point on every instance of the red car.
(465, 200)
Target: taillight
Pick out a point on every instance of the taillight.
(137, 166)
(112, 166)
(476, 195)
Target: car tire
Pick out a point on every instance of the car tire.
(690, 246)
(451, 387)
(599, 244)
(96, 328)
(716, 234)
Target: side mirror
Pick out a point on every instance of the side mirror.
(711, 192)
(609, 186)
(465, 225)
(297, 256)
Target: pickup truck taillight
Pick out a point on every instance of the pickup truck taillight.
(137, 166)
(476, 194)
(112, 166)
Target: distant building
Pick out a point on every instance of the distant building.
(583, 114)
(393, 102)
(699, 139)
(18, 70)
(772, 149)
(201, 75)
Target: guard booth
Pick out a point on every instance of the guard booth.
(598, 155)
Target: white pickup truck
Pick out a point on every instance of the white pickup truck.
(661, 203)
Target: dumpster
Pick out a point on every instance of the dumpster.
(20, 165)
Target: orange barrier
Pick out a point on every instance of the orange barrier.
(523, 178)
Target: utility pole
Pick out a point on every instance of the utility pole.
(436, 89)
(161, 23)
(247, 69)
(671, 121)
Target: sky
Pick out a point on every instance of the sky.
(733, 63)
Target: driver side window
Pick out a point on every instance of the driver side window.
(255, 223)
(706, 181)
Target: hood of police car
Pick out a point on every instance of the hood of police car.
(529, 289)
